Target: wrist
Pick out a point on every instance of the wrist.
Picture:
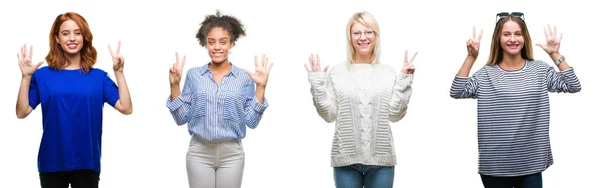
(261, 86)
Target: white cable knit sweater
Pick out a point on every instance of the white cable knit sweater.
(362, 99)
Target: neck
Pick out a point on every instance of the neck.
(74, 61)
(220, 67)
(362, 59)
(512, 62)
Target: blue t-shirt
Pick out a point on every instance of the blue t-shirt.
(72, 103)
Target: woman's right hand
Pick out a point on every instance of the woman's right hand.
(473, 43)
(315, 64)
(27, 68)
(176, 71)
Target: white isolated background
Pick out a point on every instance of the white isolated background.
(436, 142)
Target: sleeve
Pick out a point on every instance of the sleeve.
(563, 81)
(180, 108)
(110, 93)
(463, 87)
(34, 95)
(323, 93)
(253, 110)
(400, 97)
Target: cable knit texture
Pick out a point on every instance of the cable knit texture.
(362, 99)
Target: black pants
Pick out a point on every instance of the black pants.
(77, 179)
(527, 181)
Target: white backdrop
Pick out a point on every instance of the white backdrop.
(436, 142)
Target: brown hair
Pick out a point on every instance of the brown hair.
(496, 52)
(56, 56)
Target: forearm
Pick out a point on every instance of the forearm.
(22, 108)
(465, 69)
(260, 93)
(175, 91)
(124, 96)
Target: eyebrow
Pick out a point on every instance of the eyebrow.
(69, 30)
(218, 39)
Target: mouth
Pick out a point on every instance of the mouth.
(364, 44)
(72, 45)
(217, 54)
(513, 46)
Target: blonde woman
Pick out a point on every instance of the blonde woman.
(362, 96)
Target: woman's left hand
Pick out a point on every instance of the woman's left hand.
(408, 67)
(118, 60)
(552, 40)
(261, 73)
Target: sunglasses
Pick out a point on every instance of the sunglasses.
(503, 15)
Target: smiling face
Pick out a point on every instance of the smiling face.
(218, 44)
(363, 39)
(511, 38)
(70, 37)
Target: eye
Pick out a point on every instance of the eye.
(223, 43)
(369, 32)
(356, 32)
(65, 34)
(211, 42)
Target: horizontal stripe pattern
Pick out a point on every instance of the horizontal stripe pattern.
(513, 114)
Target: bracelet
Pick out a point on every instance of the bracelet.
(559, 60)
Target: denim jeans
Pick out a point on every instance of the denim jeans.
(358, 175)
(527, 181)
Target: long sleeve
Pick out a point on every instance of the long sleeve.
(323, 93)
(253, 110)
(463, 87)
(564, 81)
(400, 97)
(180, 108)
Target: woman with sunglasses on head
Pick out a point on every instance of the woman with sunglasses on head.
(362, 96)
(513, 108)
(218, 101)
(72, 94)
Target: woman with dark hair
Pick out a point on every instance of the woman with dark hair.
(72, 94)
(218, 101)
(513, 111)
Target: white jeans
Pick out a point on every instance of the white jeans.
(215, 164)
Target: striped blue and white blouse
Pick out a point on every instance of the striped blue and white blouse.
(513, 115)
(217, 112)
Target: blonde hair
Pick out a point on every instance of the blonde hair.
(496, 52)
(369, 21)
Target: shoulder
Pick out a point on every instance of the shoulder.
(342, 66)
(538, 64)
(385, 68)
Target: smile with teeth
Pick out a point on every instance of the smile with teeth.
(364, 44)
(72, 45)
(513, 45)
(217, 53)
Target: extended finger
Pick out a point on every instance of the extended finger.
(550, 33)
(176, 59)
(413, 57)
(318, 62)
(560, 37)
(111, 52)
(255, 61)
(305, 67)
(554, 32)
(311, 60)
(269, 68)
(474, 33)
(480, 34)
(182, 63)
(30, 51)
(119, 48)
(405, 56)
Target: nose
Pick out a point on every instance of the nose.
(512, 38)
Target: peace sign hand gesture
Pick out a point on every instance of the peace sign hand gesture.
(408, 67)
(261, 73)
(473, 43)
(118, 60)
(552, 40)
(315, 64)
(176, 70)
(27, 68)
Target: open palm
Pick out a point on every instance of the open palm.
(261, 73)
(27, 68)
(552, 40)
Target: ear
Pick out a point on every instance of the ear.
(56, 37)
(231, 45)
